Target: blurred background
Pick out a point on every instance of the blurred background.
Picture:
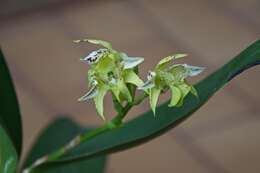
(223, 136)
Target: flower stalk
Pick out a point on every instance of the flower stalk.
(116, 122)
(112, 71)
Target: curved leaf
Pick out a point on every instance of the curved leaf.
(56, 135)
(10, 118)
(146, 127)
(8, 156)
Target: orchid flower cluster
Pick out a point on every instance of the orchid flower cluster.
(116, 72)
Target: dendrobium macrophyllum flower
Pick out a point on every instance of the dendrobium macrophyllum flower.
(110, 70)
(173, 77)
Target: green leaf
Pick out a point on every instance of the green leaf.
(145, 127)
(154, 95)
(10, 117)
(8, 156)
(57, 134)
(176, 96)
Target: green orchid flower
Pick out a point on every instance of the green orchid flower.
(172, 77)
(110, 71)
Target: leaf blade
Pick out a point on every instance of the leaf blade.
(54, 136)
(8, 156)
(146, 127)
(10, 117)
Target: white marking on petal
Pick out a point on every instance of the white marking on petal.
(193, 70)
(131, 62)
(113, 81)
(147, 85)
(94, 56)
(91, 93)
(94, 82)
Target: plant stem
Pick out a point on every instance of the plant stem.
(114, 123)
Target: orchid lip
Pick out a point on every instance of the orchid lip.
(151, 75)
(94, 56)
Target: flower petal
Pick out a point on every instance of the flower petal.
(154, 95)
(116, 93)
(192, 89)
(193, 70)
(94, 56)
(131, 77)
(168, 59)
(105, 65)
(90, 94)
(131, 62)
(99, 101)
(185, 89)
(124, 91)
(147, 85)
(93, 41)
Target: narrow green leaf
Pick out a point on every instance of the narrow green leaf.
(57, 134)
(10, 117)
(8, 156)
(146, 127)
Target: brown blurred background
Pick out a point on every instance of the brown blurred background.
(222, 137)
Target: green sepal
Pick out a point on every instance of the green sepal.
(178, 71)
(116, 93)
(185, 89)
(154, 95)
(168, 59)
(176, 96)
(192, 89)
(131, 77)
(117, 105)
(99, 100)
(105, 65)
(124, 91)
(101, 42)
